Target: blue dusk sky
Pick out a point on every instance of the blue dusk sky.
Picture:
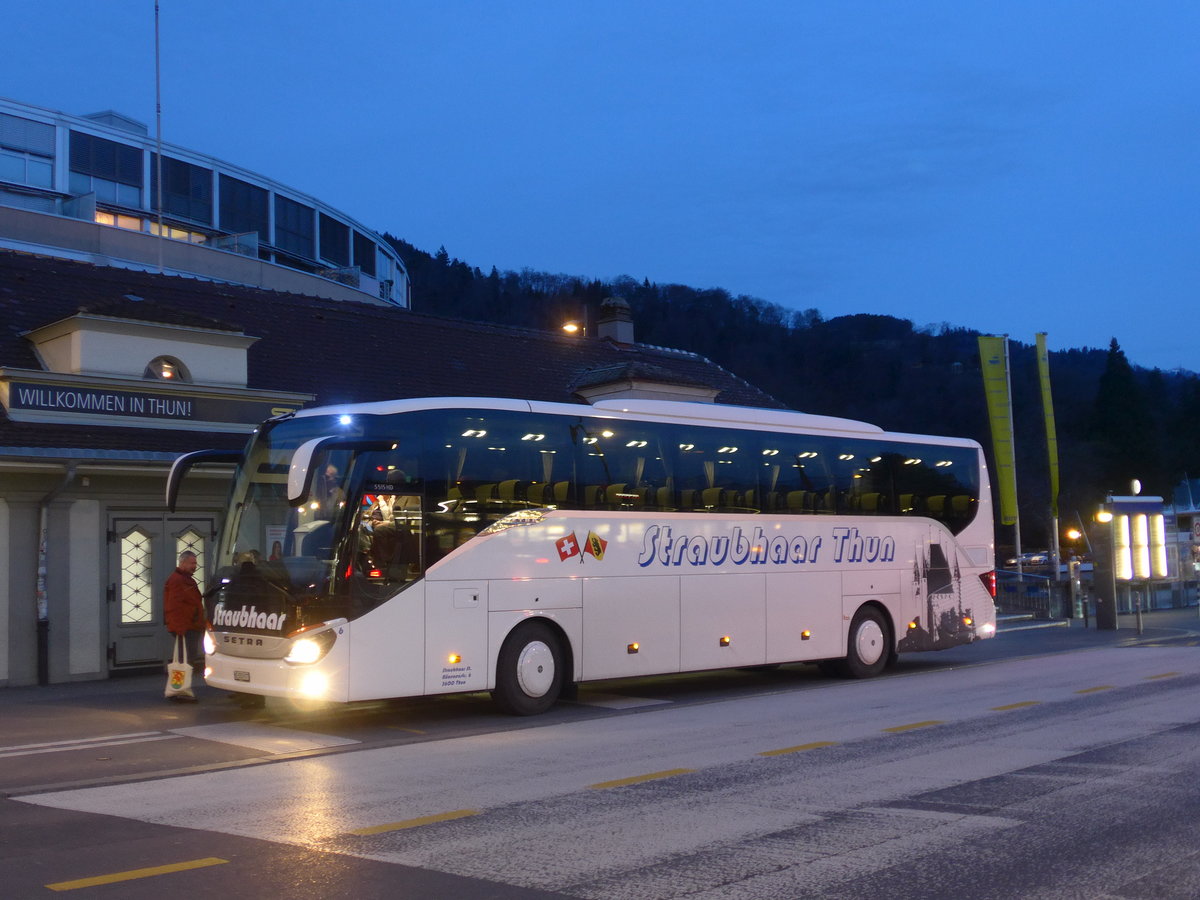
(1011, 167)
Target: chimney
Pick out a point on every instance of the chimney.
(615, 322)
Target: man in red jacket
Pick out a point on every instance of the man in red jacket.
(183, 608)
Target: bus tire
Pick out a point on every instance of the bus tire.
(529, 670)
(867, 645)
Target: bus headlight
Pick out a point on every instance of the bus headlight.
(310, 648)
(210, 646)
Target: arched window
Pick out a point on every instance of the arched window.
(166, 368)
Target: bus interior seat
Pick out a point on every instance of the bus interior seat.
(537, 492)
(871, 502)
(610, 496)
(712, 498)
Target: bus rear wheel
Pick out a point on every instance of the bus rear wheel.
(529, 671)
(867, 649)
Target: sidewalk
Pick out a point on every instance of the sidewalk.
(1186, 619)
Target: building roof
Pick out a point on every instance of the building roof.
(336, 350)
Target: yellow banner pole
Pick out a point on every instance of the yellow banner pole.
(1043, 357)
(993, 355)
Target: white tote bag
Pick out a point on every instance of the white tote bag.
(179, 672)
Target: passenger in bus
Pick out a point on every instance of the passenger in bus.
(328, 493)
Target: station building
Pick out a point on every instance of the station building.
(87, 188)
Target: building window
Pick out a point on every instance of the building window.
(335, 241)
(243, 208)
(194, 541)
(176, 234)
(137, 588)
(26, 168)
(294, 227)
(106, 191)
(26, 151)
(117, 220)
(364, 254)
(106, 160)
(166, 368)
(187, 189)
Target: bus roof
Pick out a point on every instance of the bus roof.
(648, 410)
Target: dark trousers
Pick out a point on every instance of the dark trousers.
(193, 642)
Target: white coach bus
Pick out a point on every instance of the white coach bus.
(444, 545)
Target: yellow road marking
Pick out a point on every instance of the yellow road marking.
(1099, 687)
(638, 779)
(1016, 705)
(1163, 675)
(813, 746)
(417, 822)
(136, 873)
(912, 726)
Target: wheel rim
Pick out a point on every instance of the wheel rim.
(868, 642)
(535, 668)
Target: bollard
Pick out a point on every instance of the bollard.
(1137, 609)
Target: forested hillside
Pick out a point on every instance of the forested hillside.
(1115, 422)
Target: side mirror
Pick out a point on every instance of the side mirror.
(184, 463)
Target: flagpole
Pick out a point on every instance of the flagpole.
(1012, 442)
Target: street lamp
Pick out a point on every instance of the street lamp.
(575, 327)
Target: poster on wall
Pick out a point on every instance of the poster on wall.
(275, 537)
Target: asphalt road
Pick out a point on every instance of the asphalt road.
(1048, 762)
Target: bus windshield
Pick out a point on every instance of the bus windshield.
(277, 560)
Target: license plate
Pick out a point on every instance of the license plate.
(241, 676)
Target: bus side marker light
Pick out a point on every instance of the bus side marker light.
(454, 659)
(633, 648)
(725, 640)
(805, 635)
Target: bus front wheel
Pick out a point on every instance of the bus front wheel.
(867, 650)
(529, 671)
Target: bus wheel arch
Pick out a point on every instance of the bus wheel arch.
(534, 668)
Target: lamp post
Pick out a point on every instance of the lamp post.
(1104, 570)
(1073, 535)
